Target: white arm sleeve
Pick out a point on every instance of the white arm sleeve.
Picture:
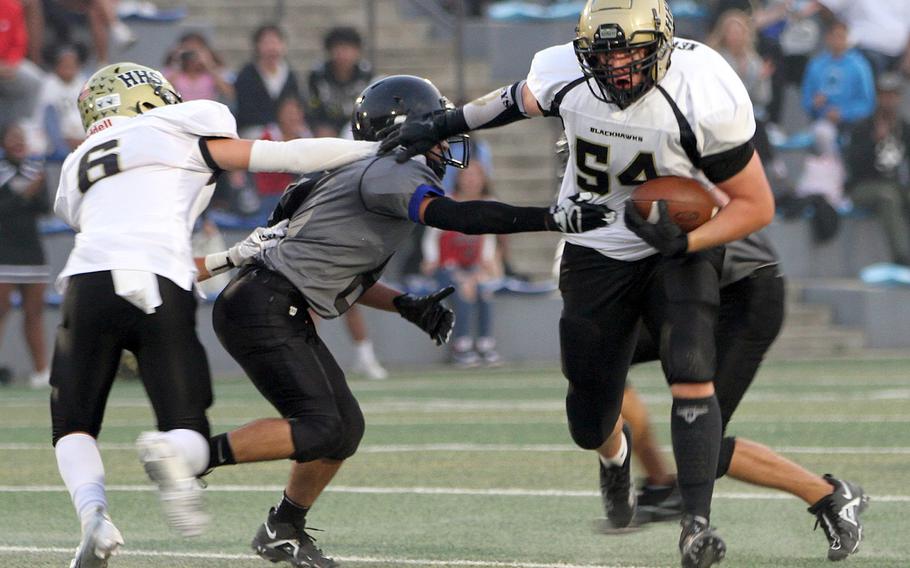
(305, 155)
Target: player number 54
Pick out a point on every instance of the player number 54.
(592, 162)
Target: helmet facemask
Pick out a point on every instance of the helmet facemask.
(454, 151)
(617, 84)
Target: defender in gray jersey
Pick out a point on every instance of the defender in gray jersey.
(344, 226)
(750, 318)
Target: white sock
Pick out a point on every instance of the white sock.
(82, 470)
(620, 456)
(365, 351)
(192, 445)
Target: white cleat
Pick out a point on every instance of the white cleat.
(178, 488)
(100, 541)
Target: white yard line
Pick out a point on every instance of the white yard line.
(355, 559)
(457, 491)
(533, 448)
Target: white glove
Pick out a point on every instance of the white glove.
(260, 239)
(579, 213)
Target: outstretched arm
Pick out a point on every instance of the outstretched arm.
(575, 214)
(506, 105)
(303, 155)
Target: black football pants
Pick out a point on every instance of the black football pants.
(97, 326)
(750, 318)
(263, 322)
(604, 299)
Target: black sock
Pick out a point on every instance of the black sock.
(220, 452)
(290, 512)
(696, 432)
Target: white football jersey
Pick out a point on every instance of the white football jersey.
(700, 108)
(134, 188)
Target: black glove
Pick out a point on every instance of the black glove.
(420, 134)
(576, 214)
(664, 235)
(428, 313)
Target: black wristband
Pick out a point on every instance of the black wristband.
(450, 123)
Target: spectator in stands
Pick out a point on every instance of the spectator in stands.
(838, 85)
(20, 79)
(788, 35)
(734, 38)
(23, 197)
(880, 29)
(336, 82)
(58, 112)
(263, 82)
(878, 166)
(197, 71)
(470, 264)
(104, 25)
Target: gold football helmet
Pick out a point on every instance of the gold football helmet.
(124, 89)
(608, 28)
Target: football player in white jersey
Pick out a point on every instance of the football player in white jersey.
(132, 191)
(637, 104)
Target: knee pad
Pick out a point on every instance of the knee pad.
(687, 345)
(727, 446)
(315, 437)
(353, 432)
(591, 415)
(581, 348)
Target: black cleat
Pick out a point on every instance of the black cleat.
(283, 542)
(658, 503)
(838, 515)
(699, 544)
(616, 488)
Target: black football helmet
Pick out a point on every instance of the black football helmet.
(390, 100)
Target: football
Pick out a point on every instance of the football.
(689, 203)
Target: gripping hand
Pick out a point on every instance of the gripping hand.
(260, 239)
(428, 313)
(577, 214)
(417, 135)
(664, 234)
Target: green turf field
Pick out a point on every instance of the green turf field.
(477, 469)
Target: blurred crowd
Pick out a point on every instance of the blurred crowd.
(826, 78)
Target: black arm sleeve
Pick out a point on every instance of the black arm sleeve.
(482, 217)
(721, 167)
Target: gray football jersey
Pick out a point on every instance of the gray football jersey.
(745, 256)
(347, 228)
